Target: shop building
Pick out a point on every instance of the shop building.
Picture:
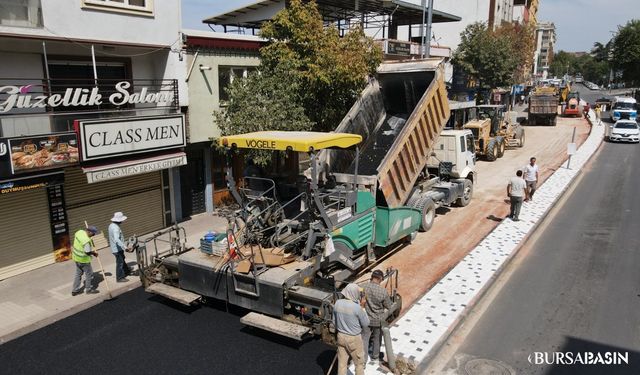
(213, 60)
(90, 122)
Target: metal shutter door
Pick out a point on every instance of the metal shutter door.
(26, 233)
(139, 197)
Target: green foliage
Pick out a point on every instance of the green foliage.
(309, 77)
(626, 51)
(591, 68)
(492, 58)
(331, 69)
(263, 102)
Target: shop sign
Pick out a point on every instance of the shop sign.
(18, 97)
(102, 139)
(24, 184)
(118, 171)
(398, 48)
(36, 153)
(58, 222)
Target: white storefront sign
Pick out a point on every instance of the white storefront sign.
(18, 97)
(102, 139)
(109, 173)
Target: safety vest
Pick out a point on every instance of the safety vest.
(78, 254)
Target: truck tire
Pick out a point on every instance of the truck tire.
(427, 213)
(555, 121)
(492, 150)
(501, 146)
(467, 193)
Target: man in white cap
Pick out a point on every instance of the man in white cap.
(116, 241)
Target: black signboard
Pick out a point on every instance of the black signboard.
(59, 223)
(30, 183)
(21, 155)
(398, 48)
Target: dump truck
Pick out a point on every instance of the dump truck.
(543, 109)
(494, 130)
(362, 196)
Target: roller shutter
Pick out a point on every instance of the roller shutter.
(139, 197)
(25, 232)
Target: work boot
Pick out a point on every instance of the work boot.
(76, 292)
(92, 291)
(123, 280)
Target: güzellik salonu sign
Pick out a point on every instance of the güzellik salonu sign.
(19, 97)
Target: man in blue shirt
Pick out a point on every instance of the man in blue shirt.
(350, 319)
(116, 241)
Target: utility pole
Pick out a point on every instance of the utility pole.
(426, 44)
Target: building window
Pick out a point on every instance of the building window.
(23, 13)
(226, 75)
(143, 7)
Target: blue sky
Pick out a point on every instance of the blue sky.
(579, 23)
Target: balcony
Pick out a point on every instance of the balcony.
(21, 13)
(41, 106)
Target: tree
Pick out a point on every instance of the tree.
(331, 70)
(308, 78)
(487, 56)
(263, 102)
(523, 44)
(626, 51)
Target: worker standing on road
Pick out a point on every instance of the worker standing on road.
(116, 241)
(377, 302)
(350, 318)
(531, 177)
(517, 192)
(598, 110)
(585, 110)
(81, 255)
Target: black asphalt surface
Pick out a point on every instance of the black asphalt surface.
(578, 288)
(138, 333)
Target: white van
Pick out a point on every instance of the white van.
(623, 107)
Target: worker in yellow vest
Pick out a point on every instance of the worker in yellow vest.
(81, 255)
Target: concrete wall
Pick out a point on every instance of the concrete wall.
(204, 95)
(75, 19)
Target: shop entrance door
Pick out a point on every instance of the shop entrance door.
(192, 184)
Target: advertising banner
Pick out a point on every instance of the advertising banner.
(36, 153)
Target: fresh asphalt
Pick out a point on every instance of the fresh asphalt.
(138, 333)
(575, 289)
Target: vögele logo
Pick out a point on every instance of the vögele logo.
(579, 358)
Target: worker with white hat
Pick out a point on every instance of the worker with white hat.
(116, 241)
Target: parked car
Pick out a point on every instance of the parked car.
(623, 131)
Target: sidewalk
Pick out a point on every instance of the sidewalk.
(40, 297)
(420, 332)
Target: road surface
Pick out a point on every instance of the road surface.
(574, 289)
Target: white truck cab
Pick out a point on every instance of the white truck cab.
(457, 147)
(623, 108)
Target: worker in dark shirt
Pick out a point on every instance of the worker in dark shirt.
(378, 302)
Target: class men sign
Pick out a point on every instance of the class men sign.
(19, 97)
(101, 139)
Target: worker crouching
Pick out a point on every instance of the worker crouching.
(350, 320)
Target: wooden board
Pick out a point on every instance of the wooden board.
(277, 326)
(173, 293)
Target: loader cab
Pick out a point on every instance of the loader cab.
(494, 113)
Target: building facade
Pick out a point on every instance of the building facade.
(90, 122)
(545, 43)
(213, 60)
